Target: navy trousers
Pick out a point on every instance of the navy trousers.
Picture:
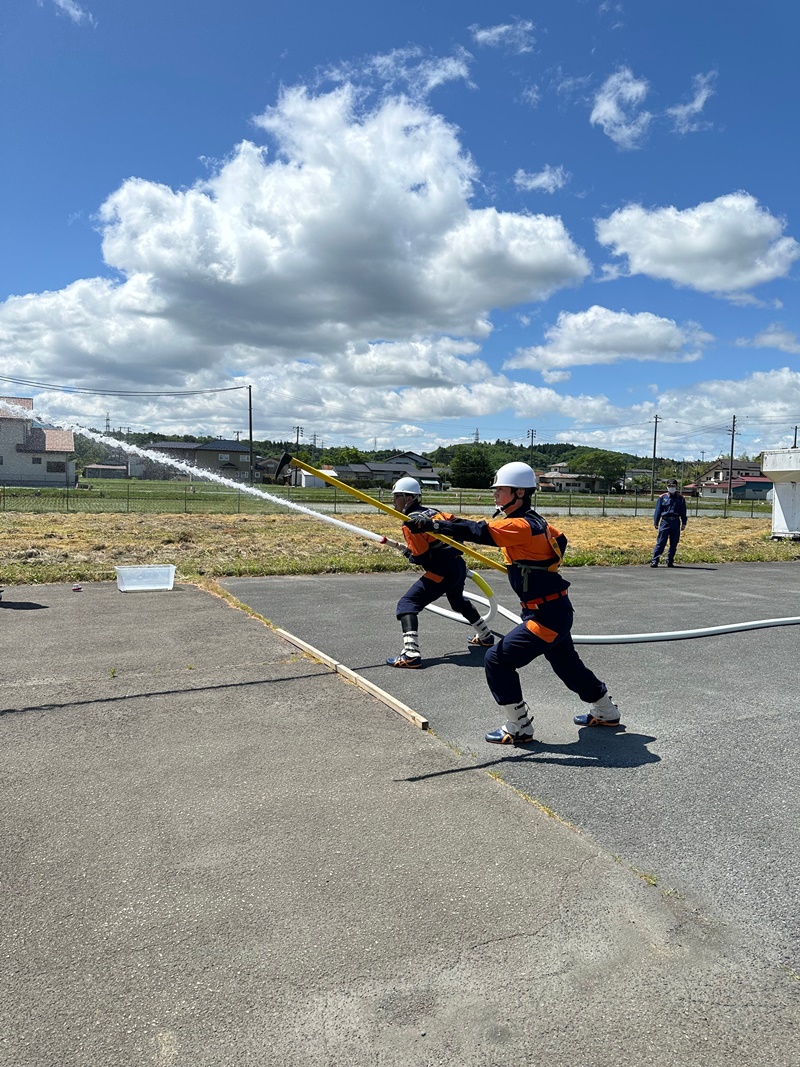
(668, 530)
(425, 591)
(544, 632)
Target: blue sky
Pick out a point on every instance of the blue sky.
(405, 225)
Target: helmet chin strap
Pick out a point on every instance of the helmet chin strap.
(501, 509)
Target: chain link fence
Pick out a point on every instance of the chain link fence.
(210, 499)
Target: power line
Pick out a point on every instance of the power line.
(112, 392)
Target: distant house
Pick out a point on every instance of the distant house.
(409, 459)
(30, 454)
(373, 475)
(721, 471)
(564, 482)
(748, 482)
(753, 488)
(231, 459)
(387, 473)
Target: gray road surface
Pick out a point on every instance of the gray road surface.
(215, 852)
(700, 791)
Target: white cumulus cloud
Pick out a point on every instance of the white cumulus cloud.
(601, 336)
(341, 271)
(775, 336)
(721, 246)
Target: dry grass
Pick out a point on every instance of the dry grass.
(67, 548)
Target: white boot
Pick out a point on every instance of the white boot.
(517, 729)
(604, 713)
(483, 636)
(605, 708)
(410, 656)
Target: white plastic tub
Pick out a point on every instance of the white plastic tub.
(144, 579)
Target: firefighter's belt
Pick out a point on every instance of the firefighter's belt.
(542, 599)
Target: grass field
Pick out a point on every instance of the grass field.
(201, 498)
(50, 547)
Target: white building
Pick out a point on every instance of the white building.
(31, 455)
(564, 482)
(310, 481)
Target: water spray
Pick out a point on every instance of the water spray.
(286, 460)
(489, 601)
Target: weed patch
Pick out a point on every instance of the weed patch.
(52, 548)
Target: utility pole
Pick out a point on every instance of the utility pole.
(732, 432)
(653, 476)
(531, 437)
(299, 433)
(250, 425)
(795, 438)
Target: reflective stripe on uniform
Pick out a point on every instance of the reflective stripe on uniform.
(544, 633)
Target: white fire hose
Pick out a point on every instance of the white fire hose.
(667, 635)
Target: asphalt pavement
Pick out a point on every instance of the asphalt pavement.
(218, 851)
(706, 769)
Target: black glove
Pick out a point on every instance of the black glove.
(418, 522)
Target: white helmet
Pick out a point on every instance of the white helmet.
(407, 485)
(515, 476)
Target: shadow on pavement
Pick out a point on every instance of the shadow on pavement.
(623, 750)
(452, 659)
(145, 695)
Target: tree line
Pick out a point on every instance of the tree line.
(468, 466)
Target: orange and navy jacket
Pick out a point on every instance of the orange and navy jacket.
(439, 560)
(532, 548)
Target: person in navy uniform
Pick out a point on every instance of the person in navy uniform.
(445, 575)
(533, 551)
(669, 519)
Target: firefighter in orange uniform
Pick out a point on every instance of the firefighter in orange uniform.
(533, 551)
(445, 575)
